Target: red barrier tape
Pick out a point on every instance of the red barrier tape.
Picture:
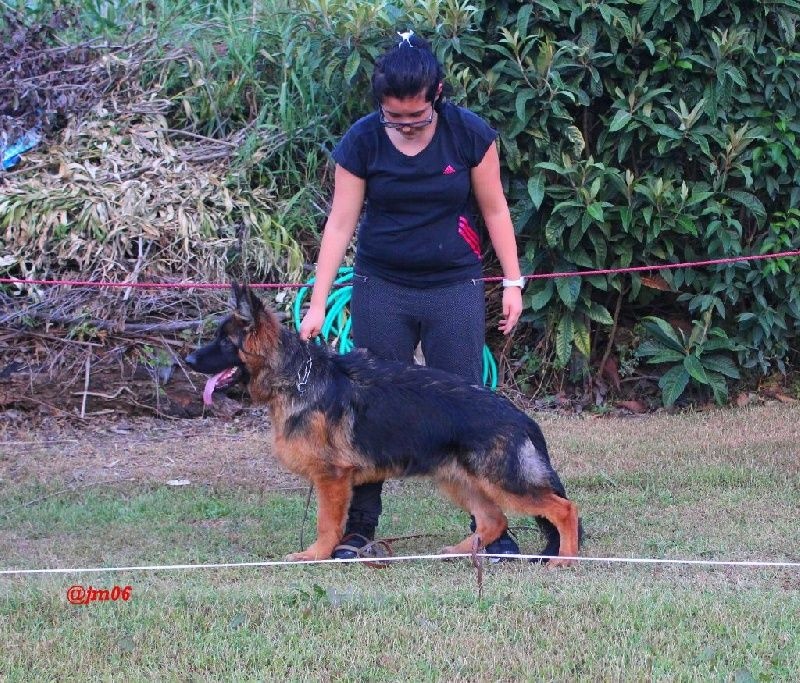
(297, 285)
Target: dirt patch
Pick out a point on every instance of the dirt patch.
(213, 451)
(235, 450)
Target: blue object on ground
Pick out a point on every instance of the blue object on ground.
(13, 153)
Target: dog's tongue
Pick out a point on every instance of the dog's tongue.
(209, 388)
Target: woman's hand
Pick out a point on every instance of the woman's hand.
(312, 323)
(512, 308)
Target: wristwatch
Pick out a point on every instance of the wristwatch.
(514, 283)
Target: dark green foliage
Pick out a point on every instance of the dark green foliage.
(632, 132)
(699, 357)
(647, 132)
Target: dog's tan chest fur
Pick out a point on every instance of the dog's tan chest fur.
(318, 448)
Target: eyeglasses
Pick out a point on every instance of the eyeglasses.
(405, 124)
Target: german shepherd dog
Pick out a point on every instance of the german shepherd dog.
(344, 420)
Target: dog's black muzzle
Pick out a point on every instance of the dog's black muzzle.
(216, 357)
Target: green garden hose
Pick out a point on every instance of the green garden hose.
(337, 324)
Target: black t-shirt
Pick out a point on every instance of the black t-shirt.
(417, 229)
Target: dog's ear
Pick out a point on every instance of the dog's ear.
(237, 300)
(245, 304)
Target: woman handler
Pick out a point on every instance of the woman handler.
(415, 167)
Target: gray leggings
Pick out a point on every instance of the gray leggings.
(390, 320)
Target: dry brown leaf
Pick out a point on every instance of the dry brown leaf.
(634, 406)
(656, 282)
(783, 398)
(610, 371)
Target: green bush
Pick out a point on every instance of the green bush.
(633, 132)
(642, 132)
(698, 357)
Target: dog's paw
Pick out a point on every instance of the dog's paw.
(305, 556)
(453, 550)
(558, 562)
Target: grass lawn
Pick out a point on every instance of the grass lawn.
(717, 485)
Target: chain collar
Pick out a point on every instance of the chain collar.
(303, 374)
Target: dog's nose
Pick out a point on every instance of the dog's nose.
(191, 360)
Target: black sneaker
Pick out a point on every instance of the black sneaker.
(505, 545)
(349, 546)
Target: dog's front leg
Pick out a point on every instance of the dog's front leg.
(333, 501)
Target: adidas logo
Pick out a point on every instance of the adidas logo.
(449, 170)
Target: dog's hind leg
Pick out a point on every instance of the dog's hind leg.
(560, 512)
(490, 522)
(333, 500)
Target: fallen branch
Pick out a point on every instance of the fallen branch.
(97, 394)
(118, 327)
(110, 326)
(49, 337)
(86, 375)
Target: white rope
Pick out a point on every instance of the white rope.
(404, 558)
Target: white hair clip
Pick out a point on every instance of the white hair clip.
(405, 37)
